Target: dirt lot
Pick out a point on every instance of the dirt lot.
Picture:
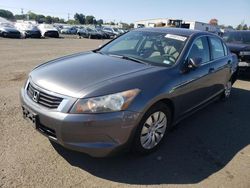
(209, 149)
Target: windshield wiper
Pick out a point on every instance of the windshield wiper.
(129, 58)
(98, 51)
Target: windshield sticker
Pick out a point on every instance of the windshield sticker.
(176, 37)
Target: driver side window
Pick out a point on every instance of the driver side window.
(200, 49)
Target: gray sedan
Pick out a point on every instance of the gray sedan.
(130, 92)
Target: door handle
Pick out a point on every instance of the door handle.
(229, 62)
(211, 70)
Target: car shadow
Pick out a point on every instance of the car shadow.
(198, 147)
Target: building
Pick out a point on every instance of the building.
(159, 22)
(167, 22)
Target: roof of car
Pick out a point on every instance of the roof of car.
(238, 31)
(176, 31)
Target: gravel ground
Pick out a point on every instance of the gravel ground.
(209, 149)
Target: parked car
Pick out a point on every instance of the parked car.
(111, 32)
(69, 30)
(9, 30)
(82, 32)
(130, 92)
(48, 30)
(239, 43)
(93, 34)
(28, 30)
(102, 33)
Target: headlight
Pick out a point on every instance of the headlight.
(245, 53)
(108, 103)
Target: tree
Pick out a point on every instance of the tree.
(40, 18)
(89, 19)
(79, 18)
(31, 15)
(245, 27)
(6, 14)
(99, 22)
(72, 22)
(213, 21)
(131, 25)
(20, 16)
(239, 27)
(48, 19)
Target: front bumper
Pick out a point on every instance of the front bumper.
(98, 135)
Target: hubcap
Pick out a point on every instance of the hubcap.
(228, 88)
(153, 130)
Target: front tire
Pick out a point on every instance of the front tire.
(152, 129)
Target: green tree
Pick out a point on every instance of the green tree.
(20, 16)
(80, 18)
(72, 22)
(40, 18)
(32, 16)
(6, 14)
(89, 19)
(48, 19)
(245, 27)
(239, 27)
(99, 22)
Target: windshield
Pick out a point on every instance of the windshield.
(151, 47)
(237, 37)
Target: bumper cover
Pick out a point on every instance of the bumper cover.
(98, 135)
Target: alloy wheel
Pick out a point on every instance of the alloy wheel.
(153, 130)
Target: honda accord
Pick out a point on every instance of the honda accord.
(129, 92)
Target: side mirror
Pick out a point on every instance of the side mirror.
(191, 63)
(194, 63)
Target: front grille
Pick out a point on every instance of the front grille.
(43, 98)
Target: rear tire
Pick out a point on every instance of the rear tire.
(152, 129)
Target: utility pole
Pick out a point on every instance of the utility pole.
(68, 16)
(21, 11)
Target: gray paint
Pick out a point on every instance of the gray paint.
(90, 74)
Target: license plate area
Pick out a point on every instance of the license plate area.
(30, 116)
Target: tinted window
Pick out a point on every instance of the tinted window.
(237, 37)
(217, 49)
(200, 49)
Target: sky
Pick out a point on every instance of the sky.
(228, 12)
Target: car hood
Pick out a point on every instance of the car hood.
(237, 47)
(71, 74)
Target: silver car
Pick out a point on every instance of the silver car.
(130, 92)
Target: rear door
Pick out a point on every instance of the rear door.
(197, 84)
(221, 64)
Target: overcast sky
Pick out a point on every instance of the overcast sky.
(228, 12)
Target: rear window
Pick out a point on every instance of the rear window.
(217, 49)
(237, 37)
